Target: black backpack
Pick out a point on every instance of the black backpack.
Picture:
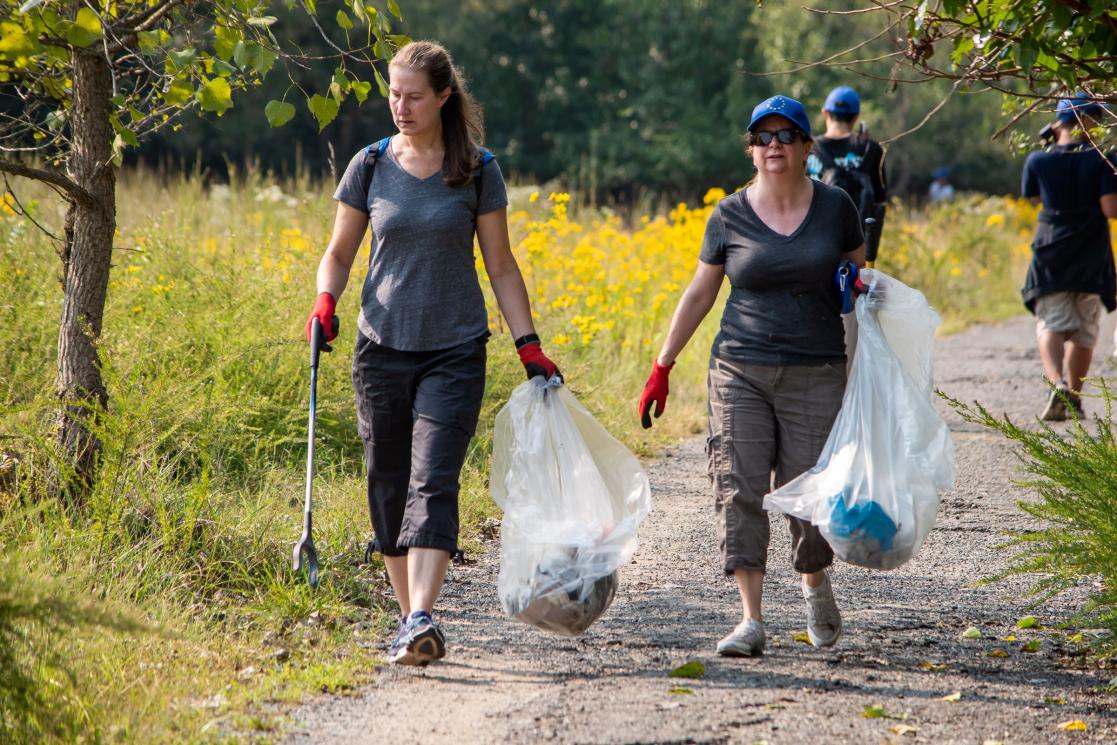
(376, 149)
(851, 179)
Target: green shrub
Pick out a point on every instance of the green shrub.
(1075, 476)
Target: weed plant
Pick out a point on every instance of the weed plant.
(1075, 477)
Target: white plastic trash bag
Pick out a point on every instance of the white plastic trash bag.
(875, 490)
(573, 497)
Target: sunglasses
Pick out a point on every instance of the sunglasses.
(785, 136)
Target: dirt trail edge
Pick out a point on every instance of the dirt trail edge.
(902, 649)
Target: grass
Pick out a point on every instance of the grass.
(189, 528)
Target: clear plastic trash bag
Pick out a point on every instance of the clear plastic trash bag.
(875, 490)
(573, 497)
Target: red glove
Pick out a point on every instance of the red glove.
(534, 361)
(655, 391)
(324, 308)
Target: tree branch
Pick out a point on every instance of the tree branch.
(53, 178)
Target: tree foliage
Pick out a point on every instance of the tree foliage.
(85, 79)
(1033, 53)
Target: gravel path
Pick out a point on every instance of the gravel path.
(504, 682)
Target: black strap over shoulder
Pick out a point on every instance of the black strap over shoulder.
(378, 148)
(372, 152)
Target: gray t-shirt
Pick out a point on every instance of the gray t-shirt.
(421, 292)
(782, 307)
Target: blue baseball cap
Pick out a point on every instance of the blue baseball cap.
(788, 108)
(843, 100)
(1069, 109)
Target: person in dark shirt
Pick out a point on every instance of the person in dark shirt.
(1071, 276)
(777, 367)
(853, 161)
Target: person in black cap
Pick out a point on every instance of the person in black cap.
(1071, 276)
(777, 367)
(851, 161)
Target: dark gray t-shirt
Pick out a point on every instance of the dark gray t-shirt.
(782, 307)
(421, 292)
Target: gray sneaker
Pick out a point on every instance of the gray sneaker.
(1056, 409)
(747, 640)
(824, 621)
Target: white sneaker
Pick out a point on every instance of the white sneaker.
(747, 640)
(824, 621)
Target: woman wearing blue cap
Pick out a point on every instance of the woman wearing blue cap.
(777, 367)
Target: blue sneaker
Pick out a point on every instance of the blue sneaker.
(420, 642)
(400, 638)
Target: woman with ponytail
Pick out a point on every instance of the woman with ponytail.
(419, 359)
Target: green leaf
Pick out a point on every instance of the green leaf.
(255, 55)
(1032, 646)
(149, 41)
(223, 68)
(359, 11)
(343, 20)
(361, 90)
(225, 42)
(393, 8)
(312, 7)
(400, 40)
(323, 108)
(129, 137)
(341, 80)
(178, 93)
(86, 29)
(1027, 622)
(180, 58)
(279, 112)
(680, 691)
(215, 95)
(15, 42)
(117, 151)
(971, 633)
(380, 82)
(382, 49)
(874, 711)
(692, 669)
(263, 21)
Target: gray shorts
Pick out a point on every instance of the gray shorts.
(1075, 314)
(416, 412)
(767, 425)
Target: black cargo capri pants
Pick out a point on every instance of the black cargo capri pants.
(416, 412)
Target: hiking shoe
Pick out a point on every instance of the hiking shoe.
(747, 640)
(420, 642)
(1075, 409)
(400, 638)
(1056, 409)
(824, 621)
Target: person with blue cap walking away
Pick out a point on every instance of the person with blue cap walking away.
(778, 365)
(1071, 276)
(851, 161)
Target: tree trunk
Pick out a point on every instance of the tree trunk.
(86, 258)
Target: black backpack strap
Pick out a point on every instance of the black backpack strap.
(372, 152)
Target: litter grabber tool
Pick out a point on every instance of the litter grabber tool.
(305, 556)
